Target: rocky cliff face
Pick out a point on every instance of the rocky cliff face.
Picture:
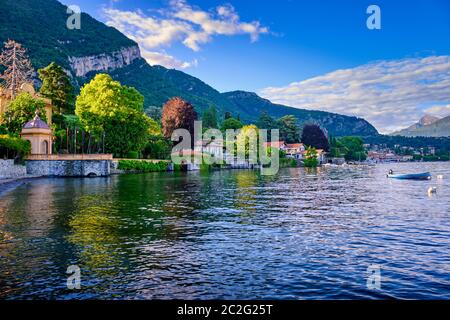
(426, 120)
(105, 61)
(438, 128)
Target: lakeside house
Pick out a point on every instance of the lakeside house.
(213, 148)
(295, 150)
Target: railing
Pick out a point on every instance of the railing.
(144, 160)
(56, 157)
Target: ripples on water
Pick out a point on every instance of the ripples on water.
(229, 234)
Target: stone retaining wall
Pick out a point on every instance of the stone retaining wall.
(69, 168)
(8, 170)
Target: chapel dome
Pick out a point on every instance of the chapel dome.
(36, 123)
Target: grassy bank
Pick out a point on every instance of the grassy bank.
(143, 166)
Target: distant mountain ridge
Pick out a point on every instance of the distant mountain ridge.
(41, 27)
(250, 105)
(428, 126)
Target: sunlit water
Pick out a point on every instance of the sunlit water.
(229, 235)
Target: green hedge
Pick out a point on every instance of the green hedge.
(288, 163)
(142, 166)
(12, 147)
(133, 155)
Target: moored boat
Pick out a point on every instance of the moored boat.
(411, 176)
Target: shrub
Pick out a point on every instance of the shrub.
(142, 166)
(133, 155)
(12, 147)
(288, 163)
(310, 159)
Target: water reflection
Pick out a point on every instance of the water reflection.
(228, 234)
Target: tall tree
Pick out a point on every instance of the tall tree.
(209, 118)
(57, 87)
(154, 112)
(18, 67)
(353, 148)
(106, 108)
(313, 136)
(231, 123)
(227, 115)
(21, 110)
(289, 130)
(177, 114)
(265, 121)
(248, 138)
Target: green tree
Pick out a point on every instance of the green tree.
(123, 136)
(228, 115)
(154, 112)
(21, 110)
(353, 148)
(13, 147)
(289, 130)
(310, 160)
(337, 150)
(209, 118)
(57, 87)
(265, 121)
(158, 147)
(244, 138)
(231, 123)
(106, 108)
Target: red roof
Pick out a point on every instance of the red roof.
(274, 144)
(294, 145)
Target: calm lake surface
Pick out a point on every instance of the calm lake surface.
(229, 235)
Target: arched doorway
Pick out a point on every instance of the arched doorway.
(45, 147)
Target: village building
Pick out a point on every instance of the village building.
(213, 148)
(295, 150)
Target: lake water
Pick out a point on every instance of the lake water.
(229, 235)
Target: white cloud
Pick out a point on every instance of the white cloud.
(389, 94)
(163, 59)
(180, 23)
(439, 111)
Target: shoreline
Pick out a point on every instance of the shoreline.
(11, 183)
(7, 184)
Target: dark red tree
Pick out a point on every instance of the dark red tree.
(177, 114)
(313, 136)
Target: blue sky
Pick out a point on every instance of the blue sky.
(308, 54)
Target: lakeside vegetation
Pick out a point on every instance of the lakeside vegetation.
(13, 147)
(108, 117)
(143, 166)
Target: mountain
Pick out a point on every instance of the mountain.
(250, 106)
(427, 120)
(40, 26)
(428, 126)
(424, 121)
